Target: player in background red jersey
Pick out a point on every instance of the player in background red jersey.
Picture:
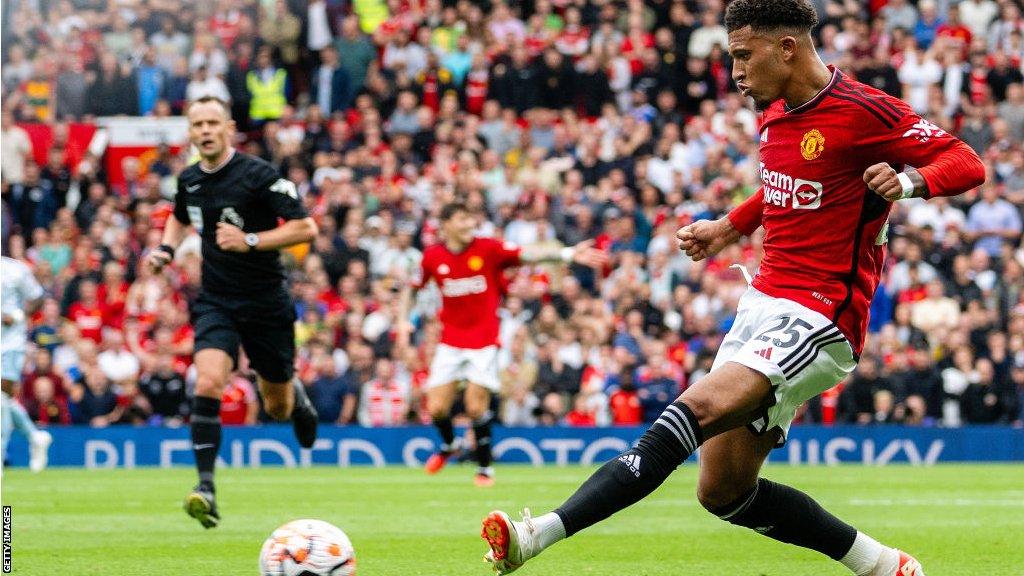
(833, 153)
(470, 274)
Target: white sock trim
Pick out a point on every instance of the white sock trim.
(863, 555)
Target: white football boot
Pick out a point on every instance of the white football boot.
(897, 563)
(39, 450)
(512, 543)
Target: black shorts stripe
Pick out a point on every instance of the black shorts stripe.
(793, 372)
(887, 106)
(810, 349)
(823, 332)
(864, 105)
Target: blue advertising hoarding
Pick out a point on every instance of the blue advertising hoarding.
(128, 447)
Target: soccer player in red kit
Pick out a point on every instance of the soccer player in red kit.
(833, 153)
(470, 274)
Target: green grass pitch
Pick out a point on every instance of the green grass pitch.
(960, 520)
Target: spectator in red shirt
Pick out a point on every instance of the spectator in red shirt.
(43, 368)
(45, 407)
(624, 402)
(87, 312)
(112, 294)
(580, 415)
(239, 404)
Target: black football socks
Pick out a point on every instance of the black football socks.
(482, 433)
(635, 473)
(444, 427)
(788, 515)
(205, 425)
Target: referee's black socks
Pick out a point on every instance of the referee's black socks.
(788, 515)
(635, 473)
(205, 425)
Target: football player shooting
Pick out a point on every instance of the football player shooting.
(832, 153)
(468, 270)
(234, 201)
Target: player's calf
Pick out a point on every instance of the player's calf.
(788, 515)
(637, 472)
(278, 399)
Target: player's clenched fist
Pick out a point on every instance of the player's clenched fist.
(231, 238)
(159, 257)
(705, 238)
(885, 181)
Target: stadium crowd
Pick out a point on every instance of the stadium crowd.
(557, 121)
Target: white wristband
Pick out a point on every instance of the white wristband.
(908, 186)
(567, 254)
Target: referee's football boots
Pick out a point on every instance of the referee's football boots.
(304, 416)
(201, 504)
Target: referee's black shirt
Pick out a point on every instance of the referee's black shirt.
(249, 193)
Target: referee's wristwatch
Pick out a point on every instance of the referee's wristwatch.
(252, 240)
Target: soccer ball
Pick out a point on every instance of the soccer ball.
(307, 548)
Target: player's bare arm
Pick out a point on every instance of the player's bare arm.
(583, 253)
(705, 238)
(231, 238)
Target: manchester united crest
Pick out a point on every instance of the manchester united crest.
(475, 263)
(812, 145)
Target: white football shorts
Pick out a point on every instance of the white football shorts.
(801, 352)
(475, 365)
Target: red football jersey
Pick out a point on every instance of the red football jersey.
(471, 287)
(825, 231)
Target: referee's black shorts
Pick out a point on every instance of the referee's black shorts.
(265, 328)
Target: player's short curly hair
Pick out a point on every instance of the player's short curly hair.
(768, 15)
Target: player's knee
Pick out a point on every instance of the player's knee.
(209, 385)
(703, 407)
(716, 496)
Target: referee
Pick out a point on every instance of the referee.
(234, 201)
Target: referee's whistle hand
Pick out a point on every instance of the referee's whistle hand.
(231, 238)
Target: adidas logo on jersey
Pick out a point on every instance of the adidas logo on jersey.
(922, 130)
(632, 461)
(765, 353)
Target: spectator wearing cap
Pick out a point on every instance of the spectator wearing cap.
(375, 238)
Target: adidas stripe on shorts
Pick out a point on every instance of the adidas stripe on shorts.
(800, 351)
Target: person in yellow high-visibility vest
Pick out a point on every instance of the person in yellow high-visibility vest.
(268, 88)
